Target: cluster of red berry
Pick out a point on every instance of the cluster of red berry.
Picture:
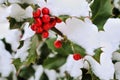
(43, 22)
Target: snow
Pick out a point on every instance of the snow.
(69, 7)
(5, 61)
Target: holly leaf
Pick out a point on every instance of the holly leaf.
(101, 11)
(17, 62)
(25, 71)
(45, 51)
(91, 75)
(63, 17)
(54, 62)
(97, 54)
(43, 77)
(79, 49)
(14, 24)
(24, 5)
(65, 50)
(32, 56)
(118, 49)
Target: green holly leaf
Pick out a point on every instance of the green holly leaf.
(43, 77)
(24, 6)
(118, 49)
(17, 62)
(78, 49)
(65, 50)
(10, 77)
(45, 51)
(14, 24)
(64, 17)
(7, 45)
(93, 76)
(26, 70)
(54, 62)
(32, 56)
(101, 11)
(97, 54)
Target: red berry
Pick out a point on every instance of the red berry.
(52, 22)
(37, 13)
(34, 27)
(45, 18)
(39, 30)
(77, 56)
(38, 21)
(58, 20)
(58, 44)
(45, 11)
(46, 26)
(45, 34)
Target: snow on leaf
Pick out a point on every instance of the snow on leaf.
(69, 7)
(72, 67)
(117, 70)
(117, 4)
(52, 74)
(20, 14)
(1, 1)
(28, 32)
(109, 43)
(24, 1)
(103, 71)
(5, 61)
(13, 39)
(4, 28)
(22, 53)
(85, 34)
(116, 56)
(4, 13)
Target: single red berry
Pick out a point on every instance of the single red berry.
(58, 20)
(37, 13)
(45, 34)
(58, 44)
(45, 11)
(45, 18)
(38, 21)
(39, 30)
(34, 27)
(46, 26)
(77, 56)
(52, 22)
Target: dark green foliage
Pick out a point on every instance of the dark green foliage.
(101, 11)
